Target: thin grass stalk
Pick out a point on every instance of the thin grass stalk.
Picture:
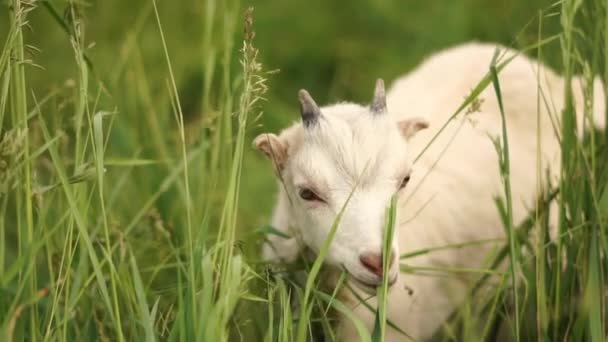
(505, 170)
(223, 136)
(60, 286)
(230, 19)
(4, 90)
(493, 308)
(230, 265)
(568, 129)
(593, 291)
(3, 204)
(209, 54)
(604, 199)
(67, 284)
(180, 121)
(152, 115)
(5, 71)
(605, 53)
(363, 301)
(597, 322)
(19, 101)
(76, 40)
(98, 151)
(595, 283)
(272, 293)
(382, 291)
(12, 34)
(454, 246)
(541, 308)
(142, 303)
(249, 95)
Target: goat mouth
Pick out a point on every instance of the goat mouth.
(371, 288)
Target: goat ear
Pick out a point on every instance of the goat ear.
(409, 127)
(273, 147)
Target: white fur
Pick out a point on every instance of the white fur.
(453, 204)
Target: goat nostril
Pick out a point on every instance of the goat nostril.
(373, 262)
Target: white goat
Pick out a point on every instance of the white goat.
(370, 149)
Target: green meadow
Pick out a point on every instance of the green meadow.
(133, 206)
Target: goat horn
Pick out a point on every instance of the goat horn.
(378, 105)
(308, 108)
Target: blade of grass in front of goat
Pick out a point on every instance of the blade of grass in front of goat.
(568, 168)
(595, 275)
(382, 292)
(542, 308)
(268, 229)
(306, 309)
(603, 206)
(339, 285)
(285, 321)
(492, 311)
(271, 294)
(447, 270)
(424, 251)
(363, 301)
(505, 169)
(593, 290)
(336, 304)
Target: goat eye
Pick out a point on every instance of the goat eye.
(404, 182)
(309, 195)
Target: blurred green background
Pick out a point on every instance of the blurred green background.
(336, 49)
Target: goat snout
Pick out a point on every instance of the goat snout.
(373, 262)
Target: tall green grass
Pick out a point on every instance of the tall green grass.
(120, 209)
(558, 288)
